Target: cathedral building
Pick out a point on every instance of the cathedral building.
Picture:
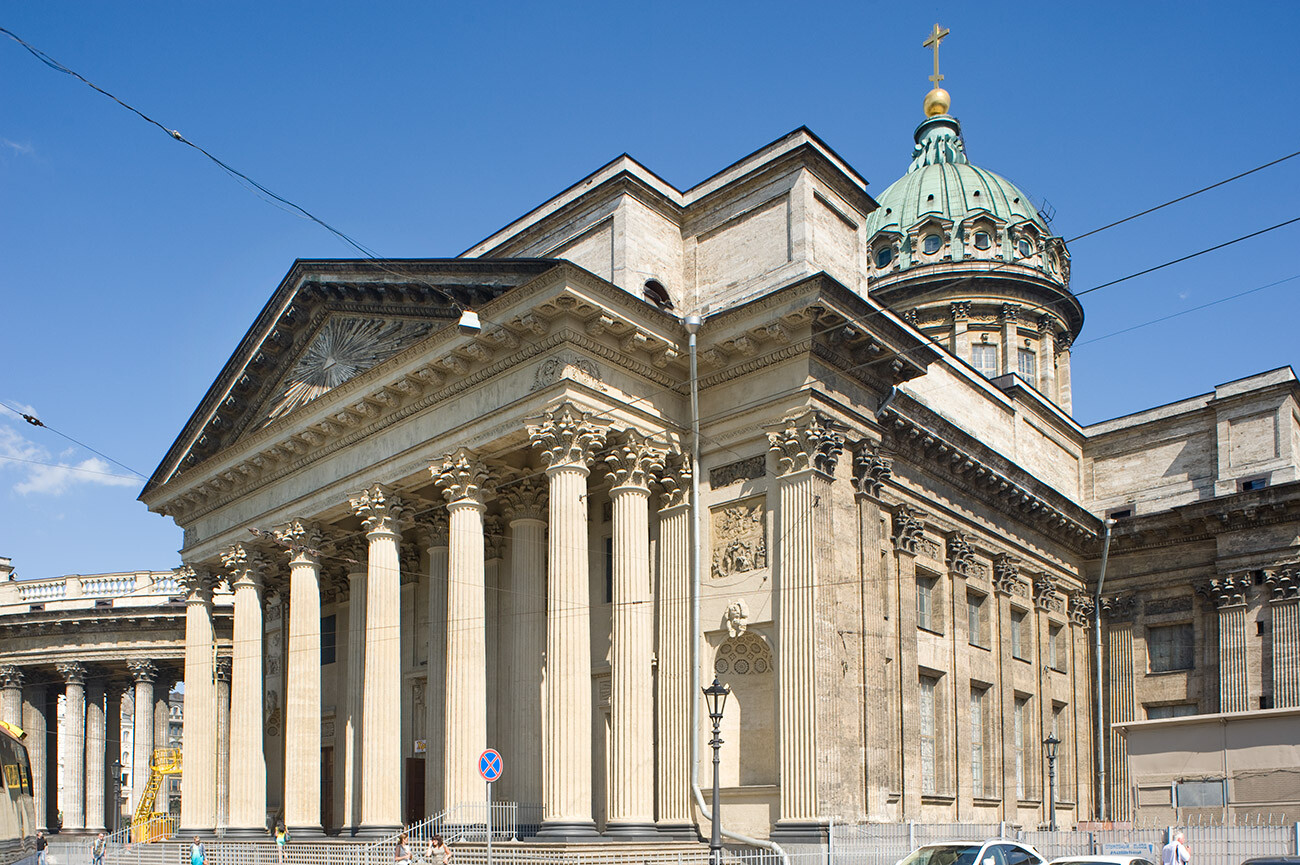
(769, 429)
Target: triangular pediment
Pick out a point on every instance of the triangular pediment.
(328, 323)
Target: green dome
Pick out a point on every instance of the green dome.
(942, 182)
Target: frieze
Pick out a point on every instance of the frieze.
(1283, 584)
(1120, 608)
(741, 470)
(908, 529)
(1161, 606)
(928, 546)
(739, 537)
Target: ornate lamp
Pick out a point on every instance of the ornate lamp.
(716, 697)
(1050, 744)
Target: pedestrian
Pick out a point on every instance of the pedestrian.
(402, 853)
(1176, 852)
(439, 849)
(281, 842)
(198, 856)
(41, 844)
(97, 849)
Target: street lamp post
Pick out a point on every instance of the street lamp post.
(117, 794)
(716, 695)
(1050, 745)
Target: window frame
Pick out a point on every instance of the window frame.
(1186, 652)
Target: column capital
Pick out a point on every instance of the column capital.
(73, 672)
(871, 469)
(432, 529)
(223, 669)
(909, 528)
(810, 440)
(960, 310)
(494, 537)
(380, 510)
(11, 676)
(634, 460)
(524, 498)
(246, 568)
(1081, 609)
(1062, 341)
(349, 547)
(675, 481)
(142, 671)
(197, 581)
(1226, 591)
(1119, 608)
(1006, 575)
(302, 539)
(461, 476)
(1045, 325)
(1283, 584)
(1010, 312)
(961, 558)
(1046, 597)
(567, 436)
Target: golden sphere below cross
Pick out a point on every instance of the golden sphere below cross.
(937, 102)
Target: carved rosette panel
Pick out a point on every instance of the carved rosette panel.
(871, 469)
(1006, 575)
(525, 498)
(1120, 608)
(811, 440)
(908, 529)
(1284, 585)
(634, 460)
(461, 477)
(744, 655)
(303, 539)
(1227, 591)
(11, 676)
(675, 481)
(379, 509)
(1046, 597)
(739, 537)
(961, 558)
(1081, 610)
(747, 469)
(566, 435)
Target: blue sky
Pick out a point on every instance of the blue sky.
(130, 266)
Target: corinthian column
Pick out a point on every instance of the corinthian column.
(96, 733)
(199, 755)
(223, 672)
(143, 673)
(673, 683)
(434, 534)
(72, 746)
(523, 608)
(806, 450)
(568, 439)
(35, 714)
(11, 694)
(247, 572)
(353, 551)
(1284, 596)
(381, 717)
(302, 715)
(461, 477)
(1228, 594)
(630, 466)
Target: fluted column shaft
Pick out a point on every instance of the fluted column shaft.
(526, 605)
(223, 742)
(142, 728)
(11, 695)
(435, 694)
(1286, 654)
(302, 759)
(1234, 672)
(461, 478)
(568, 439)
(352, 742)
(673, 684)
(96, 736)
(248, 783)
(199, 780)
(36, 727)
(72, 746)
(112, 754)
(381, 757)
(631, 791)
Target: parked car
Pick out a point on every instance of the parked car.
(1108, 859)
(995, 851)
(1273, 860)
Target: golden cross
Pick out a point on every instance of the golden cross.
(936, 36)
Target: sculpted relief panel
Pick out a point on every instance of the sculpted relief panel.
(739, 537)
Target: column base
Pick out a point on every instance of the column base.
(800, 832)
(186, 835)
(307, 833)
(569, 831)
(236, 832)
(623, 831)
(679, 831)
(374, 830)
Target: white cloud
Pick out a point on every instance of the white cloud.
(40, 472)
(17, 147)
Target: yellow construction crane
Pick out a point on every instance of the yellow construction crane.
(150, 824)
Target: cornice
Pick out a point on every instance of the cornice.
(1206, 520)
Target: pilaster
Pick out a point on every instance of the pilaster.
(960, 311)
(907, 529)
(1121, 700)
(1010, 319)
(1046, 383)
(1064, 398)
(1228, 596)
(246, 570)
(872, 469)
(1008, 584)
(1284, 598)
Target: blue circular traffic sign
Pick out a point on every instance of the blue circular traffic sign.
(489, 765)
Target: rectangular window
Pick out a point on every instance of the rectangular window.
(1170, 647)
(929, 744)
(984, 357)
(978, 635)
(328, 639)
(1198, 794)
(1018, 737)
(1027, 365)
(1057, 647)
(926, 615)
(1178, 710)
(1019, 643)
(977, 757)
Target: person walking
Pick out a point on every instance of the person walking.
(41, 844)
(198, 856)
(97, 848)
(281, 843)
(1176, 852)
(402, 852)
(439, 849)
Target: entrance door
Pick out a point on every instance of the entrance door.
(414, 790)
(327, 788)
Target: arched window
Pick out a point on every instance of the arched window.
(744, 663)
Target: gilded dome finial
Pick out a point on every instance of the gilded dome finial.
(937, 101)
